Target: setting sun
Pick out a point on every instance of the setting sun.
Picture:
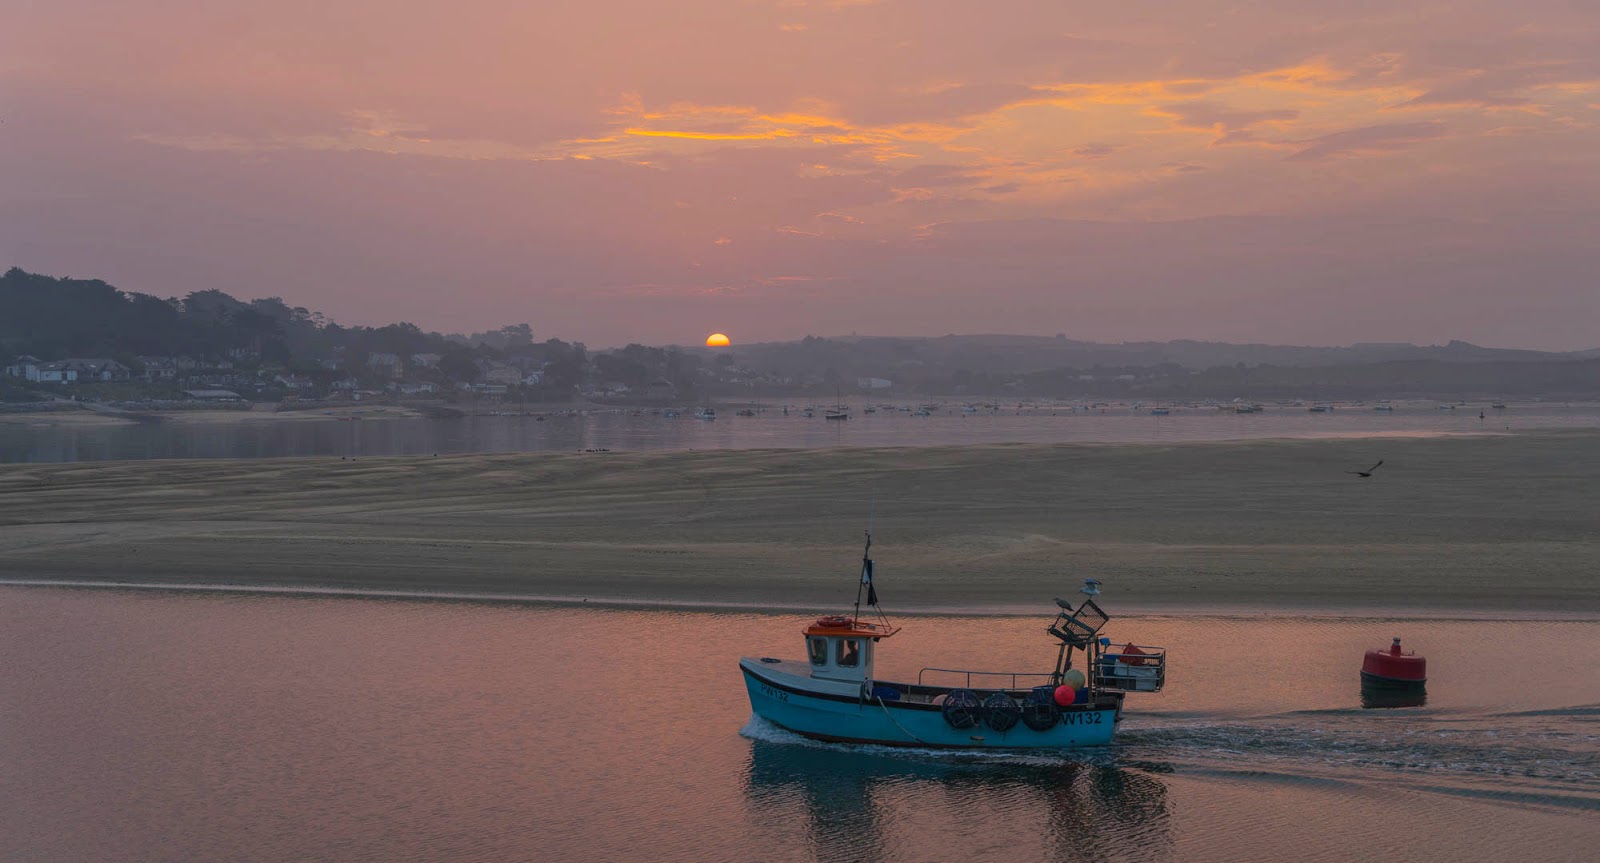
(716, 340)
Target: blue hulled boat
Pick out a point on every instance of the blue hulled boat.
(833, 695)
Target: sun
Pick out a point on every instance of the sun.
(717, 340)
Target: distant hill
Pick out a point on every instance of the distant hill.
(1023, 354)
(1046, 366)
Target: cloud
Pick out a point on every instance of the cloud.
(1230, 125)
(1096, 151)
(1368, 140)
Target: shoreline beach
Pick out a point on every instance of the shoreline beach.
(1457, 524)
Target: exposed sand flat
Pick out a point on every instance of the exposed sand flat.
(61, 418)
(1505, 522)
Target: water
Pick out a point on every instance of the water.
(160, 726)
(35, 441)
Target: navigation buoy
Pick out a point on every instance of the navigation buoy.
(1392, 669)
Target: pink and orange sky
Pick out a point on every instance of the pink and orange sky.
(1304, 171)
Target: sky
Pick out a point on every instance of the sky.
(1302, 171)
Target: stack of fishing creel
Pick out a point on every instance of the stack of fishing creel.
(962, 708)
(1039, 710)
(1001, 712)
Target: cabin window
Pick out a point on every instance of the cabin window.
(849, 653)
(819, 650)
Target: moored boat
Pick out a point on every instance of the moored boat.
(834, 695)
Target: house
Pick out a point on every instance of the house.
(615, 388)
(483, 389)
(503, 375)
(426, 361)
(661, 388)
(97, 369)
(159, 369)
(345, 385)
(55, 373)
(293, 382)
(533, 379)
(384, 364)
(873, 383)
(25, 366)
(414, 389)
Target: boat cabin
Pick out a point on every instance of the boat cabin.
(841, 648)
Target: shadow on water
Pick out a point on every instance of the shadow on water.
(859, 804)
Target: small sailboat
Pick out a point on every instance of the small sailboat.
(833, 693)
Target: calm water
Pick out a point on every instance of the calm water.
(624, 430)
(215, 727)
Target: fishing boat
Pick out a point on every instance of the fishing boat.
(833, 694)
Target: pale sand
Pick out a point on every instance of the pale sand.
(62, 418)
(266, 413)
(1487, 524)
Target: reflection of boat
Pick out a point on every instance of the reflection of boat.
(745, 413)
(848, 801)
(833, 694)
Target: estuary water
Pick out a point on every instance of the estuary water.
(37, 440)
(143, 726)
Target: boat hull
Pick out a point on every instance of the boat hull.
(850, 719)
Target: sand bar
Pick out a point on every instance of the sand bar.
(1503, 523)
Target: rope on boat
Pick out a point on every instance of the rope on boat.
(879, 699)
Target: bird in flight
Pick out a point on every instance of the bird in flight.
(1368, 471)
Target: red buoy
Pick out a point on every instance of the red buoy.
(1393, 669)
(1065, 695)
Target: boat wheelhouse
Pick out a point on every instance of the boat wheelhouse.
(834, 694)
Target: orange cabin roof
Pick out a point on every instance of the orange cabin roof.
(844, 627)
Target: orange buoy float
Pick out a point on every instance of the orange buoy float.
(1392, 669)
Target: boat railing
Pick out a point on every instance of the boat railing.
(1132, 668)
(1013, 676)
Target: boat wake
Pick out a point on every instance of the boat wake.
(1547, 756)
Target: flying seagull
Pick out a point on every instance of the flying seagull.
(1368, 471)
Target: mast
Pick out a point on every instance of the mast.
(866, 577)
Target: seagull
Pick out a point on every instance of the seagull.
(1367, 472)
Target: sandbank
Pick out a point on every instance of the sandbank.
(1479, 525)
